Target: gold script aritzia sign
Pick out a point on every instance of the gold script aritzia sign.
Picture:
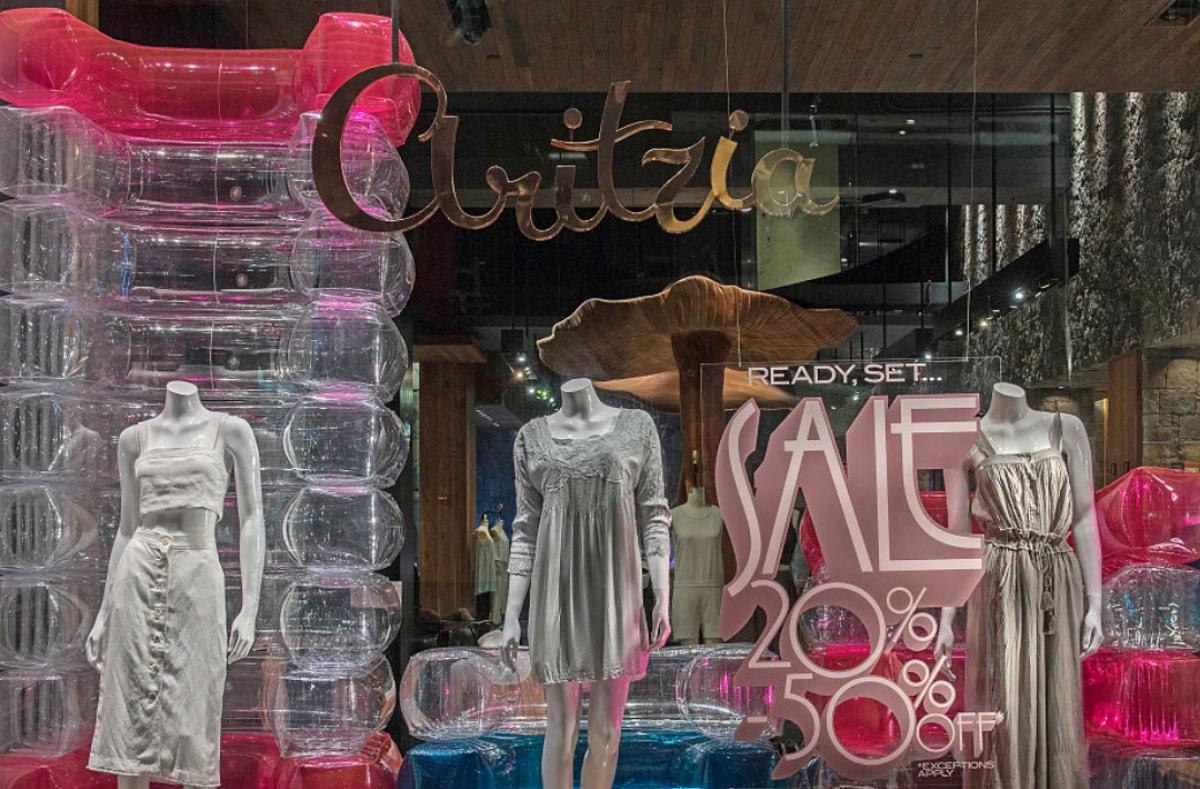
(522, 191)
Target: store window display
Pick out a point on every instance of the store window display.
(1027, 624)
(589, 501)
(160, 640)
(696, 529)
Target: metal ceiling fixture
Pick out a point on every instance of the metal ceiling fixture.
(471, 18)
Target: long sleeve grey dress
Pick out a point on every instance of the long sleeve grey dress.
(581, 503)
(1023, 622)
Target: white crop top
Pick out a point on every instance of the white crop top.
(180, 478)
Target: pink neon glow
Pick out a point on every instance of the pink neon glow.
(1150, 516)
(248, 761)
(865, 726)
(1150, 699)
(48, 57)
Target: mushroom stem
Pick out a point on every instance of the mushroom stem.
(700, 357)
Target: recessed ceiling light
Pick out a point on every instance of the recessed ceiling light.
(959, 332)
(910, 121)
(902, 132)
(845, 260)
(893, 191)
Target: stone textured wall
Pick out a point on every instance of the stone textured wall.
(1019, 227)
(1170, 408)
(1134, 190)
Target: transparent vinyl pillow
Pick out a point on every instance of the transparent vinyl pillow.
(47, 713)
(56, 151)
(343, 528)
(70, 434)
(350, 527)
(48, 526)
(465, 692)
(342, 619)
(268, 631)
(324, 712)
(1153, 607)
(46, 617)
(709, 699)
(330, 342)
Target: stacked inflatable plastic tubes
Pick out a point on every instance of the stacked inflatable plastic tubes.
(180, 237)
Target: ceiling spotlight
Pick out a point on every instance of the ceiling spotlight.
(902, 132)
(928, 355)
(519, 375)
(520, 358)
(854, 397)
(983, 323)
(471, 18)
(893, 191)
(959, 332)
(1018, 295)
(845, 260)
(530, 389)
(910, 121)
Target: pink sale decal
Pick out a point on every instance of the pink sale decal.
(886, 559)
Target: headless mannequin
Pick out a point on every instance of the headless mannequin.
(1013, 427)
(583, 415)
(184, 421)
(697, 504)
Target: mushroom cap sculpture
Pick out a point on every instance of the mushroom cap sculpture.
(661, 391)
(693, 327)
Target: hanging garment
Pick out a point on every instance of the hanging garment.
(500, 552)
(162, 678)
(699, 572)
(581, 503)
(1023, 621)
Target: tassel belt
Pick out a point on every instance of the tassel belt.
(1042, 547)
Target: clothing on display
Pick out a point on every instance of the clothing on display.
(1023, 631)
(163, 667)
(485, 560)
(500, 550)
(581, 503)
(699, 571)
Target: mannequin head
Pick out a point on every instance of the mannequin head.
(1008, 403)
(696, 497)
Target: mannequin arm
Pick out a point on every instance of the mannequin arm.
(1083, 526)
(958, 512)
(239, 438)
(654, 520)
(520, 553)
(127, 452)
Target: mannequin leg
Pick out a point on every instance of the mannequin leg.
(605, 712)
(562, 732)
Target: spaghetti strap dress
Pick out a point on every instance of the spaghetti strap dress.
(162, 677)
(1023, 622)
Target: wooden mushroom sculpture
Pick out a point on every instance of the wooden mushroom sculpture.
(661, 391)
(693, 327)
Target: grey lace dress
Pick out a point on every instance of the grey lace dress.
(583, 507)
(1023, 621)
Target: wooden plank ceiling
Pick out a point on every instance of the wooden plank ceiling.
(836, 45)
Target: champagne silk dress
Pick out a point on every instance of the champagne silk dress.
(1023, 622)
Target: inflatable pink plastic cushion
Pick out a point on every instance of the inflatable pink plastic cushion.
(1149, 516)
(48, 57)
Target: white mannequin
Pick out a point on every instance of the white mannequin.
(583, 415)
(1013, 427)
(184, 421)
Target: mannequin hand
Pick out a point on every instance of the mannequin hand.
(241, 635)
(660, 629)
(1093, 633)
(94, 646)
(944, 647)
(510, 640)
